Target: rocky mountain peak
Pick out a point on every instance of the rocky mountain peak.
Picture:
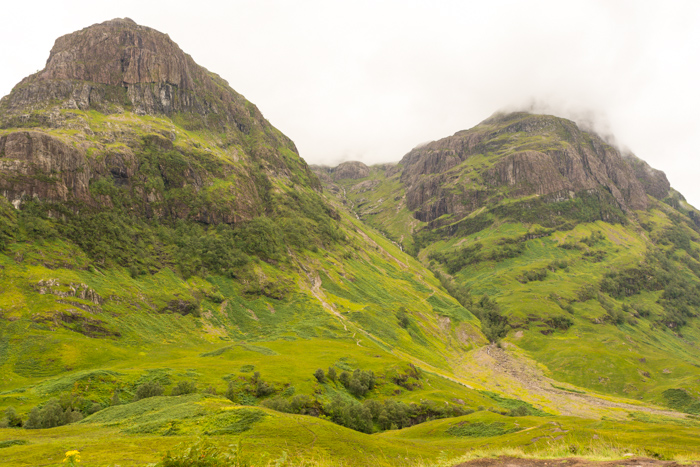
(119, 65)
(120, 52)
(518, 155)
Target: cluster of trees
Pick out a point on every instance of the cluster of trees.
(533, 275)
(243, 390)
(681, 292)
(494, 324)
(372, 415)
(302, 404)
(154, 388)
(594, 238)
(461, 293)
(56, 412)
(358, 383)
(455, 261)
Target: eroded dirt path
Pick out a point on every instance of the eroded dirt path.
(569, 462)
(516, 374)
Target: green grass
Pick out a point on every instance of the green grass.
(266, 435)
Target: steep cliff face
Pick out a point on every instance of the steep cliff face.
(118, 64)
(520, 155)
(122, 104)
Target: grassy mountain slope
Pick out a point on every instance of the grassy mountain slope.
(601, 294)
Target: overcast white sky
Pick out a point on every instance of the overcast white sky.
(369, 80)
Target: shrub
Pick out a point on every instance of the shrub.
(12, 419)
(586, 293)
(184, 387)
(320, 377)
(149, 389)
(231, 391)
(402, 317)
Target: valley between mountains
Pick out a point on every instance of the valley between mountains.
(179, 287)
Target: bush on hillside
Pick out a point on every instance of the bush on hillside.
(149, 389)
(12, 419)
(184, 387)
(402, 317)
(332, 375)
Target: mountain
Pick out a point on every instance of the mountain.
(581, 256)
(174, 277)
(157, 232)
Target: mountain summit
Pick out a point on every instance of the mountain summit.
(518, 155)
(119, 63)
(78, 121)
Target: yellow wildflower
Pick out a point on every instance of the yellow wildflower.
(73, 457)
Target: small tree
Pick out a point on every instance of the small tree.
(332, 375)
(344, 378)
(320, 377)
(13, 420)
(33, 420)
(263, 389)
(231, 391)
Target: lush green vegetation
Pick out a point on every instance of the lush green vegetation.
(214, 307)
